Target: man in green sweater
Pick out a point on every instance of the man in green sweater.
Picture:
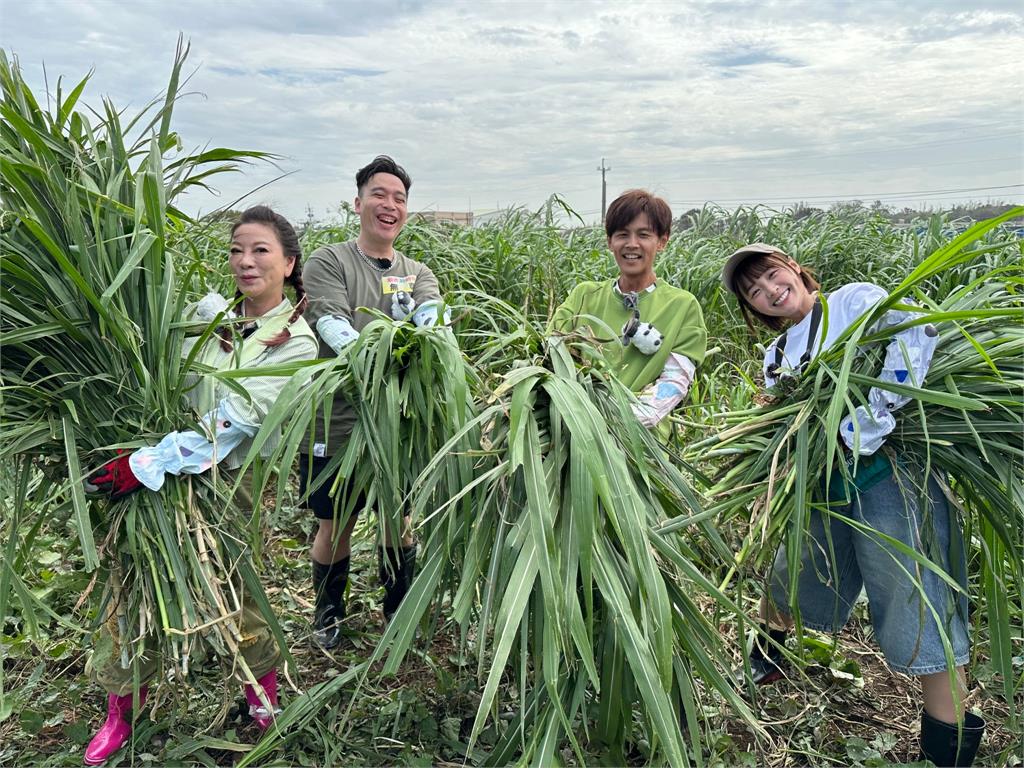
(339, 279)
(652, 333)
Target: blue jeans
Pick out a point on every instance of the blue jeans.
(835, 565)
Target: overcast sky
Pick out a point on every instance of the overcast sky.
(492, 104)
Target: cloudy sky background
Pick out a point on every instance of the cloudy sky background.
(494, 104)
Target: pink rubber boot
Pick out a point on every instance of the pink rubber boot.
(116, 730)
(257, 710)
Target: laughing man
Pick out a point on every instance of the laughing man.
(339, 279)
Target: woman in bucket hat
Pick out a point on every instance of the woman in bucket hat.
(839, 559)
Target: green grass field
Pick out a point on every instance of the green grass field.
(473, 675)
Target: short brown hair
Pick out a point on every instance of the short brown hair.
(750, 269)
(631, 204)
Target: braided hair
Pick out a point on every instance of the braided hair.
(289, 240)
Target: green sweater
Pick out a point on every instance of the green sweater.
(673, 311)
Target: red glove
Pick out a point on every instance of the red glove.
(114, 478)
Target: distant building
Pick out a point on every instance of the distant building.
(462, 218)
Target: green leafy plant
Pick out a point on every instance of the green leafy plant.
(965, 421)
(95, 267)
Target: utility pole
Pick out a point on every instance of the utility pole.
(604, 188)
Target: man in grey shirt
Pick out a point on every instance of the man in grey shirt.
(339, 279)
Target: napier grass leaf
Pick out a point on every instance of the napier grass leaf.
(90, 305)
(75, 478)
(965, 421)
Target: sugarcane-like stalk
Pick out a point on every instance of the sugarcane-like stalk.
(96, 274)
(965, 422)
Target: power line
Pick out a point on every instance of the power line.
(830, 173)
(782, 154)
(869, 195)
(579, 170)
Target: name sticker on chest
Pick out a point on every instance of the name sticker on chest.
(394, 284)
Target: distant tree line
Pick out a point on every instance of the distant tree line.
(853, 208)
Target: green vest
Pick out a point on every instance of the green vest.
(871, 470)
(205, 391)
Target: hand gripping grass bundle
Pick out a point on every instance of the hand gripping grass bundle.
(564, 584)
(965, 421)
(95, 275)
(412, 391)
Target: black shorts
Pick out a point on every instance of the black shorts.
(320, 500)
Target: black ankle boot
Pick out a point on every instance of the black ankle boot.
(329, 587)
(397, 567)
(766, 661)
(939, 740)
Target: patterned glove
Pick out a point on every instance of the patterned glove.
(402, 305)
(211, 305)
(873, 427)
(336, 331)
(114, 479)
(426, 314)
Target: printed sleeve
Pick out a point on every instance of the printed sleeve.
(666, 392)
(326, 289)
(909, 353)
(190, 452)
(907, 360)
(908, 357)
(865, 431)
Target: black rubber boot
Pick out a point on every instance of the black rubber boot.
(396, 572)
(939, 740)
(766, 661)
(329, 587)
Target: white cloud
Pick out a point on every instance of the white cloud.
(489, 103)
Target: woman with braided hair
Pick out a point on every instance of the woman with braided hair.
(267, 330)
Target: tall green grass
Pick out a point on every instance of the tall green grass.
(96, 270)
(573, 555)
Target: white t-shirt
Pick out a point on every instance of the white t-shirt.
(844, 306)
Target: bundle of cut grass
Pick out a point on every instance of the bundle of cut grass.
(412, 390)
(564, 583)
(91, 298)
(965, 421)
(537, 510)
